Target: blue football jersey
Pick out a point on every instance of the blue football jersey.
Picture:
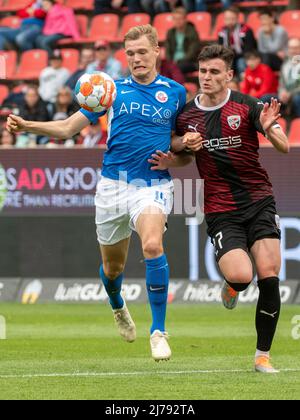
(140, 122)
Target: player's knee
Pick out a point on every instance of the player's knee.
(271, 269)
(152, 248)
(240, 277)
(113, 270)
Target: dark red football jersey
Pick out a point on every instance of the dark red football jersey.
(229, 161)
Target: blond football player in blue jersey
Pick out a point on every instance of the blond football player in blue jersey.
(130, 196)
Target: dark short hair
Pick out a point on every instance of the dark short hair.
(233, 9)
(211, 52)
(252, 54)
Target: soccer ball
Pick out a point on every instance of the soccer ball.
(95, 92)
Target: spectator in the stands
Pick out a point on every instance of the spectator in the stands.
(92, 136)
(87, 57)
(33, 108)
(260, 80)
(289, 88)
(108, 6)
(32, 22)
(170, 69)
(272, 40)
(183, 44)
(60, 23)
(201, 5)
(105, 61)
(53, 77)
(65, 105)
(7, 140)
(237, 36)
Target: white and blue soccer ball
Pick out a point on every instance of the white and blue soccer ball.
(96, 92)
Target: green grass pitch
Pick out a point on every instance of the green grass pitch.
(74, 352)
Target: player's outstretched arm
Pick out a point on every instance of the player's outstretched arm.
(162, 161)
(270, 115)
(56, 129)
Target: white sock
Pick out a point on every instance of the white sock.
(262, 353)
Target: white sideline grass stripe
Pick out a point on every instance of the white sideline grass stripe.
(112, 374)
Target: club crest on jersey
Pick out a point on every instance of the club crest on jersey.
(234, 122)
(162, 97)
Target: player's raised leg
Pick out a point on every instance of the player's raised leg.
(266, 254)
(111, 272)
(237, 269)
(150, 227)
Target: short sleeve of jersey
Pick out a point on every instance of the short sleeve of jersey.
(93, 117)
(181, 105)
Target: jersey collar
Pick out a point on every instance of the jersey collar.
(212, 108)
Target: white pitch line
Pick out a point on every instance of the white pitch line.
(112, 374)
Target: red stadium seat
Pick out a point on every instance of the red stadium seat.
(11, 62)
(4, 92)
(220, 23)
(121, 56)
(132, 20)
(80, 4)
(254, 22)
(70, 59)
(290, 20)
(105, 27)
(31, 65)
(294, 136)
(163, 23)
(263, 141)
(11, 22)
(14, 5)
(203, 24)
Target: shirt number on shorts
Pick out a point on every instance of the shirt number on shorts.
(218, 240)
(160, 198)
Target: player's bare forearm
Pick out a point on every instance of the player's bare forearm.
(177, 145)
(278, 139)
(55, 129)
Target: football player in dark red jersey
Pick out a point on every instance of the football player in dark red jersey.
(239, 202)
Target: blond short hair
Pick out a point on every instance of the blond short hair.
(137, 32)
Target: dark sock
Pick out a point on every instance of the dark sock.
(268, 312)
(238, 287)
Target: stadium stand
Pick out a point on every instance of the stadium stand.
(254, 22)
(163, 22)
(11, 62)
(87, 5)
(113, 26)
(31, 65)
(11, 22)
(203, 24)
(294, 134)
(290, 20)
(82, 22)
(220, 23)
(121, 56)
(129, 21)
(70, 59)
(13, 5)
(4, 91)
